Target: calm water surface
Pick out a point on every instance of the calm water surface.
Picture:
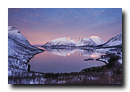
(64, 60)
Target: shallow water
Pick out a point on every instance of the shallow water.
(64, 60)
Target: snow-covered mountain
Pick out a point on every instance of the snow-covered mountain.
(114, 41)
(19, 52)
(17, 40)
(61, 41)
(90, 41)
(14, 34)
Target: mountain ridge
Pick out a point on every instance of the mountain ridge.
(20, 51)
(63, 41)
(115, 41)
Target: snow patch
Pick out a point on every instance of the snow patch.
(103, 50)
(120, 60)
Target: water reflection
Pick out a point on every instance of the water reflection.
(64, 60)
(95, 55)
(68, 52)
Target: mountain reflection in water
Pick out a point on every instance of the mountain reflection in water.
(64, 60)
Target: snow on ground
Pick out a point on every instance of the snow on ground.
(116, 51)
(103, 50)
(104, 59)
(120, 60)
(92, 78)
(19, 52)
(61, 82)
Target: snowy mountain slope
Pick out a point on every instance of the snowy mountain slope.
(97, 40)
(15, 35)
(17, 40)
(61, 41)
(114, 41)
(91, 41)
(19, 52)
(85, 41)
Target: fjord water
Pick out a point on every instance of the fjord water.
(64, 61)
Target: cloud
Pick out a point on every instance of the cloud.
(58, 22)
(17, 10)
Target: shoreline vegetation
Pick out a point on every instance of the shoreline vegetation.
(103, 77)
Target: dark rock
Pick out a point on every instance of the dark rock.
(88, 59)
(98, 59)
(104, 56)
(118, 53)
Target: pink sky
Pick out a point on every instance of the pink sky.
(40, 25)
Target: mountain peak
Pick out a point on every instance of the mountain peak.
(80, 37)
(13, 29)
(68, 38)
(14, 33)
(94, 36)
(61, 41)
(89, 41)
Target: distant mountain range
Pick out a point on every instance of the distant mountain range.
(90, 41)
(61, 41)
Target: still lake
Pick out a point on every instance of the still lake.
(64, 60)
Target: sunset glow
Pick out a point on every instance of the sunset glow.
(80, 37)
(68, 54)
(94, 56)
(94, 37)
(68, 38)
(80, 54)
(40, 25)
